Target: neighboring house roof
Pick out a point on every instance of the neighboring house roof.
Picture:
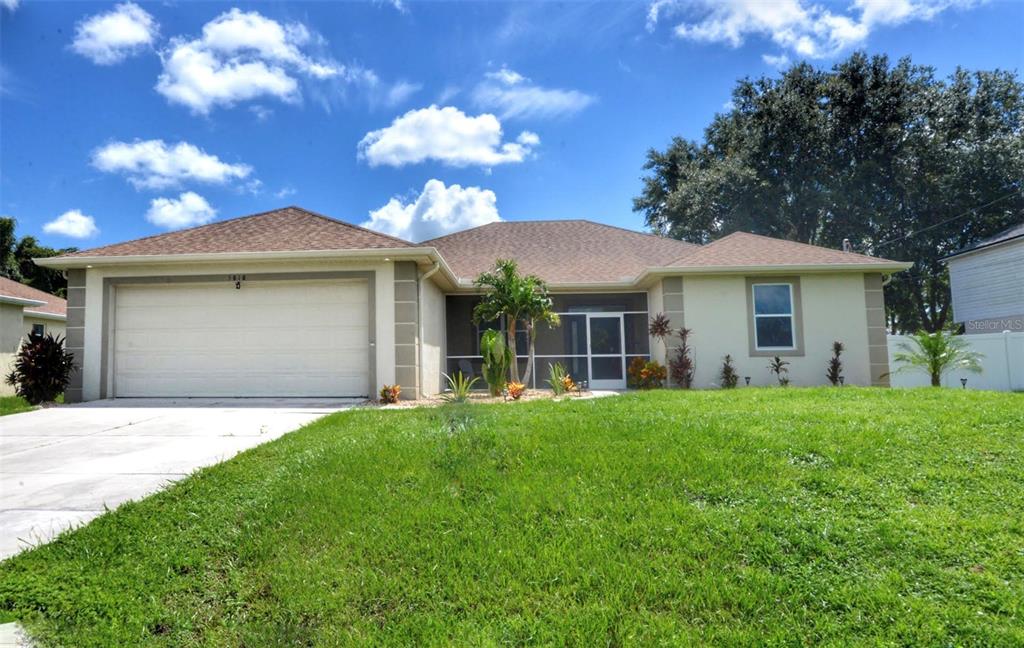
(741, 249)
(1009, 234)
(281, 230)
(567, 251)
(35, 301)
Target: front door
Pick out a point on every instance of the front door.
(605, 345)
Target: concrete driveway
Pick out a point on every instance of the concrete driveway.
(60, 467)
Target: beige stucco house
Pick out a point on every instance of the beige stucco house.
(24, 310)
(292, 303)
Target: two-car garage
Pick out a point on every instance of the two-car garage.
(227, 338)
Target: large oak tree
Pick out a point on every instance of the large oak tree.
(904, 164)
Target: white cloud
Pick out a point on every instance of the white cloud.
(801, 26)
(512, 95)
(241, 56)
(111, 37)
(284, 192)
(438, 210)
(187, 210)
(152, 164)
(262, 113)
(10, 5)
(400, 91)
(72, 223)
(780, 61)
(446, 135)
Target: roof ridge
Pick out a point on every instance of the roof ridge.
(338, 221)
(564, 220)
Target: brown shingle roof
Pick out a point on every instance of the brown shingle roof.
(569, 251)
(289, 229)
(54, 305)
(743, 249)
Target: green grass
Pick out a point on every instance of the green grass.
(751, 517)
(13, 405)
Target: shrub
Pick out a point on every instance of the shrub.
(515, 390)
(42, 369)
(660, 328)
(682, 365)
(835, 365)
(389, 394)
(559, 379)
(728, 375)
(645, 374)
(497, 360)
(937, 354)
(778, 366)
(459, 388)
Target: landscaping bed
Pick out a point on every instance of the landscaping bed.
(749, 516)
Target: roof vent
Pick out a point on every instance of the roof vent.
(846, 245)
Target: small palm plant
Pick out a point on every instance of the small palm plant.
(559, 379)
(936, 354)
(497, 359)
(834, 373)
(728, 374)
(459, 388)
(779, 367)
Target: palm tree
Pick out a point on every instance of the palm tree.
(937, 354)
(539, 310)
(509, 295)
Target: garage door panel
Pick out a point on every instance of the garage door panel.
(279, 338)
(253, 340)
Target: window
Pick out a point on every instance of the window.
(38, 329)
(773, 317)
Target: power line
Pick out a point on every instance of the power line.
(948, 220)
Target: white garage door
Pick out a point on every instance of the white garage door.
(269, 338)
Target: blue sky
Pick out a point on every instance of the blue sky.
(125, 120)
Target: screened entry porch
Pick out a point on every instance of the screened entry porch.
(599, 335)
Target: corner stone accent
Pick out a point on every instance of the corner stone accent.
(407, 329)
(878, 349)
(75, 334)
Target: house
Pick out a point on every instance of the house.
(987, 282)
(292, 303)
(24, 310)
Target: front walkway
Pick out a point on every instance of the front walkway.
(63, 466)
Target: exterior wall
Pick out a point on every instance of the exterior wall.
(10, 340)
(407, 335)
(432, 323)
(90, 293)
(75, 340)
(833, 308)
(989, 285)
(53, 327)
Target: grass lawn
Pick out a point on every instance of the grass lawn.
(756, 516)
(13, 405)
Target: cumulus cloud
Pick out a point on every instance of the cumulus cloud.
(512, 95)
(801, 26)
(446, 135)
(152, 164)
(74, 224)
(242, 56)
(187, 210)
(111, 37)
(438, 210)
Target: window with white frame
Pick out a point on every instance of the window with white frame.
(774, 324)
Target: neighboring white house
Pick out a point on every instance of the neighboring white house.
(292, 303)
(24, 309)
(987, 282)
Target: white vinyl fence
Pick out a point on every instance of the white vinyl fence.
(1002, 364)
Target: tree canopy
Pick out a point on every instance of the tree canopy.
(904, 164)
(16, 260)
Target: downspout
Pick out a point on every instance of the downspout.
(419, 314)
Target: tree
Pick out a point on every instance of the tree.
(16, 260)
(539, 310)
(937, 354)
(903, 164)
(514, 297)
